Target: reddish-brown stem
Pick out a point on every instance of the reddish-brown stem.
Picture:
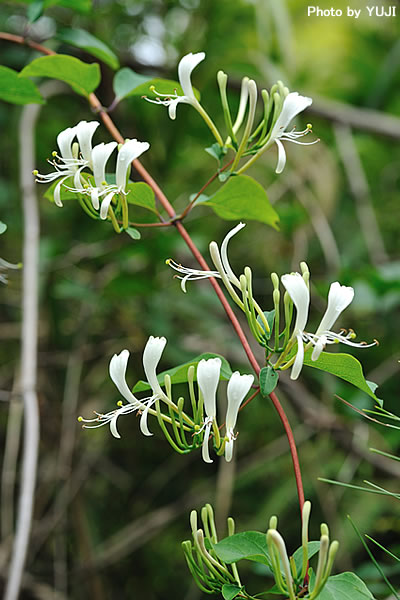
(97, 107)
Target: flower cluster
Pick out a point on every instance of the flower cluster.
(202, 427)
(280, 108)
(75, 156)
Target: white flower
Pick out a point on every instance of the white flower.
(339, 298)
(185, 68)
(238, 387)
(131, 150)
(151, 357)
(208, 373)
(220, 260)
(68, 163)
(117, 370)
(99, 156)
(293, 104)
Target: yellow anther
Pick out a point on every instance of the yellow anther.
(152, 88)
(54, 153)
(120, 403)
(80, 419)
(167, 261)
(35, 172)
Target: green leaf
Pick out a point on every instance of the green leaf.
(35, 11)
(243, 198)
(82, 77)
(346, 586)
(65, 194)
(16, 89)
(312, 547)
(268, 380)
(179, 374)
(229, 591)
(126, 81)
(133, 233)
(141, 194)
(344, 366)
(88, 42)
(217, 151)
(3, 227)
(249, 545)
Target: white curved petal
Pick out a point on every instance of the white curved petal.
(84, 133)
(57, 191)
(105, 205)
(151, 357)
(204, 448)
(94, 196)
(113, 426)
(229, 448)
(238, 387)
(298, 363)
(339, 298)
(224, 253)
(208, 373)
(77, 179)
(185, 68)
(293, 104)
(319, 346)
(300, 295)
(281, 157)
(117, 372)
(131, 150)
(64, 141)
(100, 155)
(172, 107)
(143, 420)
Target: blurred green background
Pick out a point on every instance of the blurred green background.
(110, 514)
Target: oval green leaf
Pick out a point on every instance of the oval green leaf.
(126, 81)
(249, 545)
(16, 89)
(346, 586)
(243, 198)
(82, 77)
(230, 591)
(141, 194)
(91, 44)
(179, 374)
(268, 380)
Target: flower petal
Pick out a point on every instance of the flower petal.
(100, 155)
(64, 141)
(84, 133)
(293, 104)
(131, 150)
(224, 253)
(229, 448)
(208, 373)
(105, 205)
(204, 448)
(94, 196)
(298, 363)
(185, 68)
(151, 357)
(143, 419)
(339, 298)
(117, 371)
(238, 386)
(300, 295)
(113, 426)
(319, 346)
(281, 157)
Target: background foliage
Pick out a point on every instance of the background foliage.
(110, 513)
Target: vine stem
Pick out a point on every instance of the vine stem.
(115, 133)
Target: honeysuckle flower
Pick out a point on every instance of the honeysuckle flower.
(131, 150)
(293, 104)
(238, 387)
(185, 68)
(220, 260)
(117, 370)
(68, 163)
(151, 357)
(339, 298)
(208, 373)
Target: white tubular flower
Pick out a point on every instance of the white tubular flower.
(130, 151)
(151, 357)
(185, 68)
(300, 295)
(117, 371)
(99, 157)
(208, 373)
(293, 104)
(220, 259)
(238, 387)
(68, 163)
(339, 298)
